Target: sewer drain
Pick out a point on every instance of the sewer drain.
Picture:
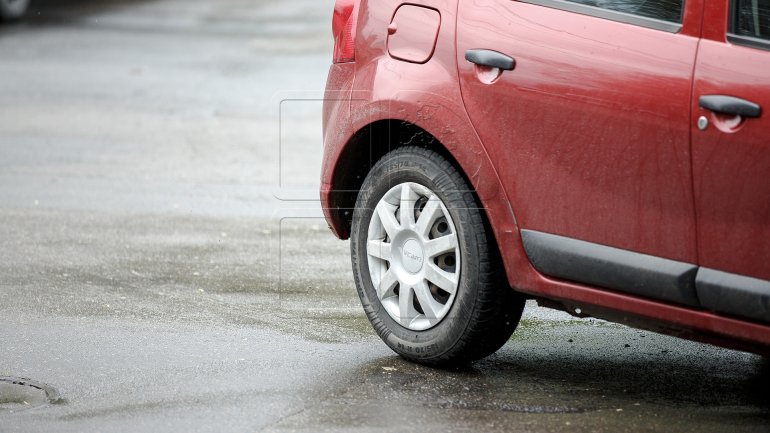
(17, 394)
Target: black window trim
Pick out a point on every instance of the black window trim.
(737, 39)
(611, 15)
(748, 41)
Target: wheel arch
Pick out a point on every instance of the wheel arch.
(375, 139)
(363, 150)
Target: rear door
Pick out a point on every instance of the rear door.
(731, 158)
(590, 132)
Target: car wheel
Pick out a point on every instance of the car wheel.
(425, 263)
(13, 9)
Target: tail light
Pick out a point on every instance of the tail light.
(344, 30)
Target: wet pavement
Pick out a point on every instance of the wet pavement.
(150, 276)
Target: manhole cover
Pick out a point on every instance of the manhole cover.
(18, 394)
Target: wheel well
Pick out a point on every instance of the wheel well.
(366, 147)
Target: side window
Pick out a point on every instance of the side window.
(666, 10)
(751, 18)
(656, 14)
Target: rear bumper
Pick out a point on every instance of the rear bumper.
(337, 131)
(335, 227)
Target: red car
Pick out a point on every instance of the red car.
(610, 158)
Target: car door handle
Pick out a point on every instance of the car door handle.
(730, 105)
(490, 58)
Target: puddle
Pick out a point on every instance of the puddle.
(18, 394)
(503, 407)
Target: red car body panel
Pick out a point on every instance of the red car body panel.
(639, 197)
(425, 95)
(337, 133)
(731, 166)
(590, 132)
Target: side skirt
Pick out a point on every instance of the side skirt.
(612, 268)
(734, 294)
(648, 276)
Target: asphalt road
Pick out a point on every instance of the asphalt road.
(163, 266)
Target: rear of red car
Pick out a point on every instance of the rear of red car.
(588, 140)
(336, 109)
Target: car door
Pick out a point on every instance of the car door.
(731, 158)
(584, 107)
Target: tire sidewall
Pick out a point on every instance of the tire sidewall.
(395, 169)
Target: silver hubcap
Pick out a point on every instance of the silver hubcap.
(414, 256)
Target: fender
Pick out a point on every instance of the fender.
(427, 96)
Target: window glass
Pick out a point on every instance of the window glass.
(667, 10)
(751, 18)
